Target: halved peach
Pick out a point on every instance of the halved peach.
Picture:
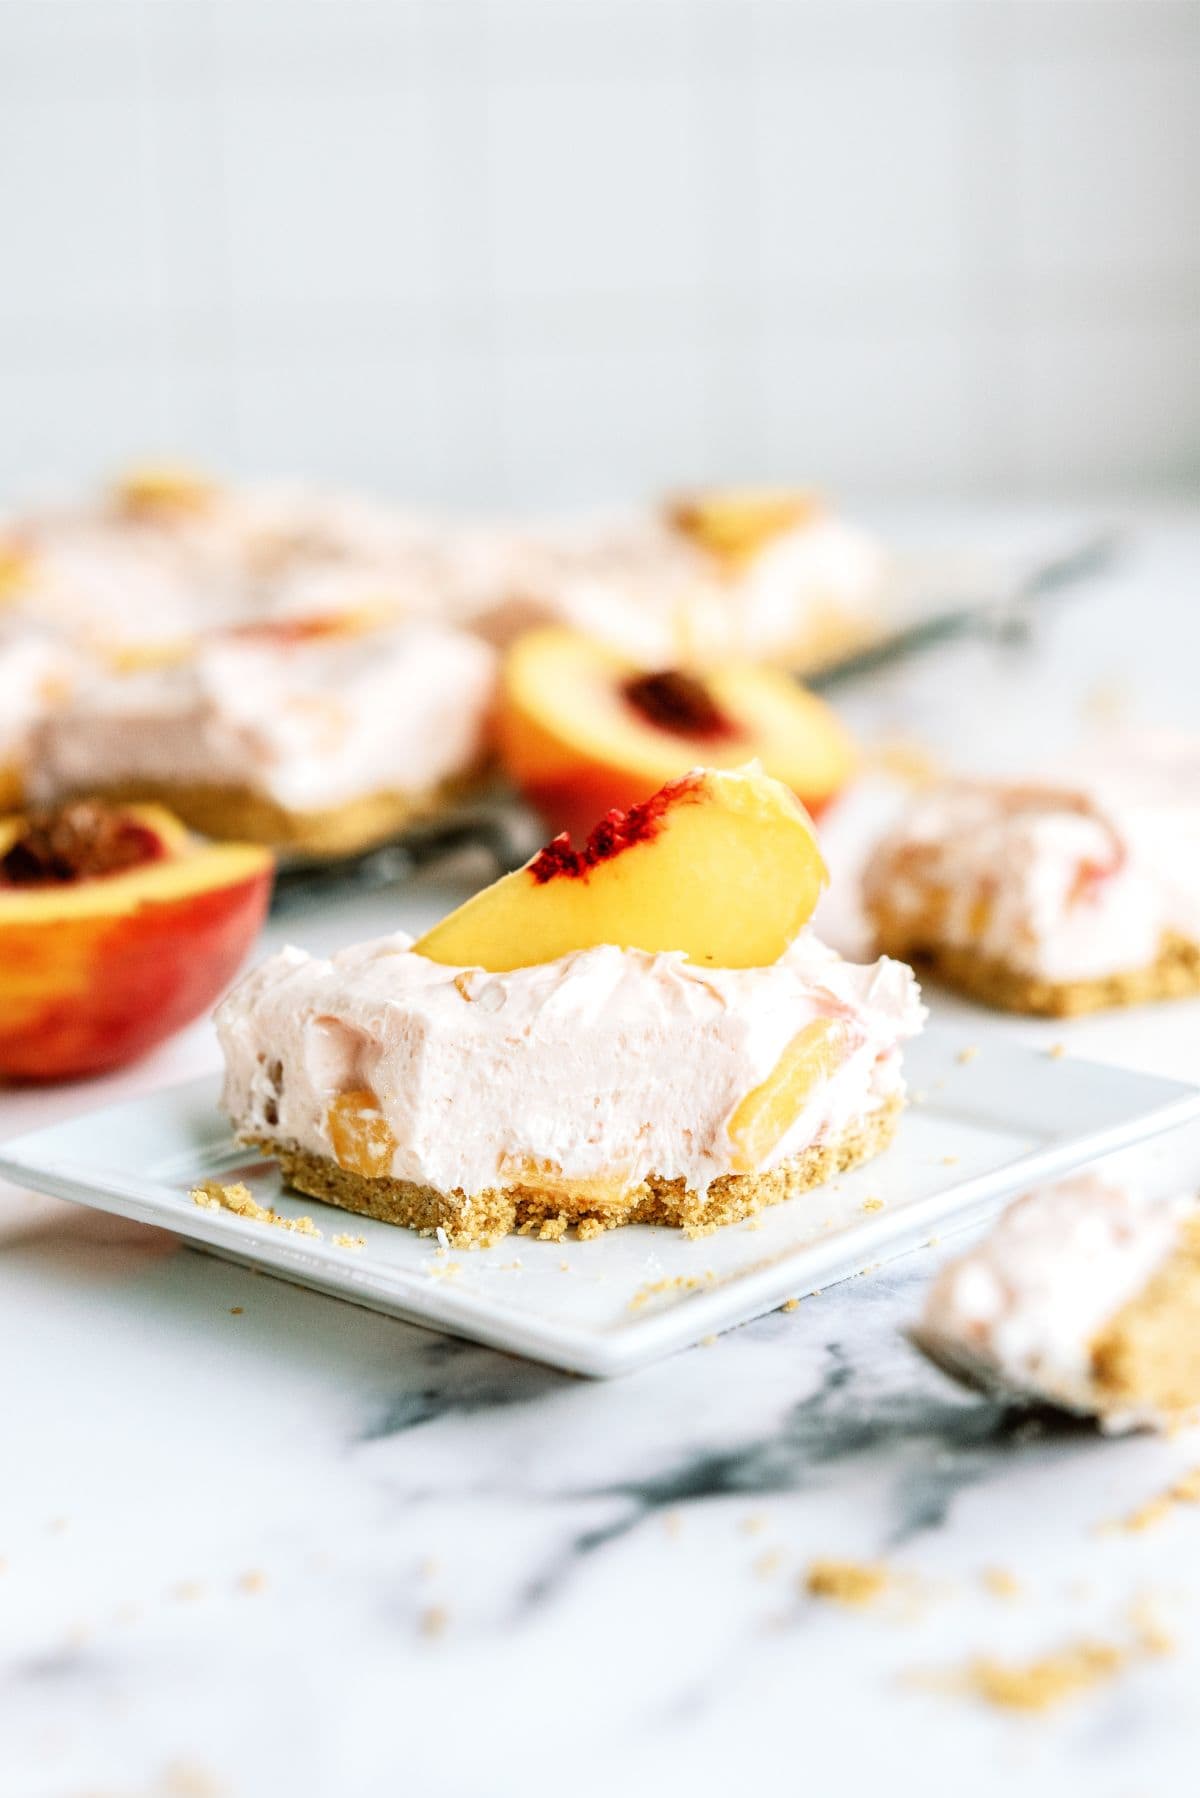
(721, 865)
(582, 729)
(116, 928)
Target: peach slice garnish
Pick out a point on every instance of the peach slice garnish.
(723, 866)
(582, 729)
(733, 524)
(116, 928)
(767, 1113)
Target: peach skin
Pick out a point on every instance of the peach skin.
(116, 929)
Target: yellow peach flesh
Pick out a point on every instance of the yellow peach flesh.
(563, 715)
(767, 1113)
(359, 1135)
(728, 876)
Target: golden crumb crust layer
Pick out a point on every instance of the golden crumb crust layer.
(1173, 974)
(236, 813)
(548, 1212)
(1149, 1354)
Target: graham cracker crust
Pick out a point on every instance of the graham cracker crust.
(1173, 974)
(236, 813)
(1149, 1354)
(530, 1210)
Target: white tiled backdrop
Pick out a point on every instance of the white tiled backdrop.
(554, 251)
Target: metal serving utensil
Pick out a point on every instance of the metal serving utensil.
(508, 831)
(1007, 619)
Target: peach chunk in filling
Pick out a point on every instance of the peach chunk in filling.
(768, 1112)
(358, 1132)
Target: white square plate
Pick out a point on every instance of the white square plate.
(979, 1128)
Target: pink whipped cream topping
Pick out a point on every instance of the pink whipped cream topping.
(606, 1063)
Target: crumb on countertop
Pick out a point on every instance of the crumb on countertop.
(1000, 1582)
(847, 1582)
(1183, 1491)
(968, 1054)
(1046, 1681)
(238, 1199)
(434, 1620)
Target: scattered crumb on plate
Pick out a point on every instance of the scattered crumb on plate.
(238, 1199)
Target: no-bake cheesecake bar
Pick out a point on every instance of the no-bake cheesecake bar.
(771, 576)
(1085, 1295)
(318, 740)
(1049, 897)
(643, 1029)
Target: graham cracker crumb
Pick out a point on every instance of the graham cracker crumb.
(768, 1563)
(253, 1581)
(444, 1270)
(1049, 1680)
(752, 1525)
(1000, 1582)
(872, 1204)
(237, 1310)
(1056, 1051)
(857, 1583)
(790, 1305)
(345, 1241)
(1183, 1491)
(950, 1160)
(434, 1620)
(675, 1283)
(238, 1199)
(968, 1054)
(708, 1342)
(188, 1590)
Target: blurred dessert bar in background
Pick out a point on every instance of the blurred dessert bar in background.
(320, 739)
(313, 669)
(1085, 1295)
(764, 576)
(1052, 897)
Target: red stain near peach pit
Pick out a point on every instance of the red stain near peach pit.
(616, 831)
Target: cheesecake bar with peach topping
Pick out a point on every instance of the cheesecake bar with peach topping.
(1084, 1295)
(317, 737)
(1052, 897)
(641, 1029)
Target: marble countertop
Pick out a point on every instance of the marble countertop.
(256, 1541)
